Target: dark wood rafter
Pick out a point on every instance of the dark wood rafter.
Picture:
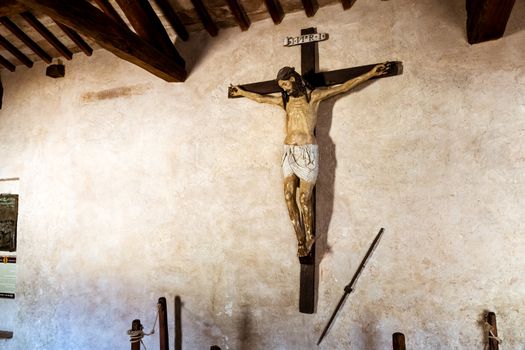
(241, 17)
(275, 9)
(76, 38)
(19, 33)
(148, 26)
(173, 19)
(310, 7)
(109, 10)
(50, 37)
(5, 62)
(347, 4)
(205, 17)
(88, 20)
(11, 7)
(15, 52)
(487, 19)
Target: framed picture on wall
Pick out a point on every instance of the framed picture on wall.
(8, 221)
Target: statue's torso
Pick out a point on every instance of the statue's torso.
(301, 117)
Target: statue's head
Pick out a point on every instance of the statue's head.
(291, 82)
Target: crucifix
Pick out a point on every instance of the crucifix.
(300, 98)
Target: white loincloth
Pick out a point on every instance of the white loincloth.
(301, 160)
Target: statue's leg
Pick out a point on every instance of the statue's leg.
(305, 200)
(290, 189)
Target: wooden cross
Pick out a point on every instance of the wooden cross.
(309, 57)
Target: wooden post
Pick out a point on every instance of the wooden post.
(398, 341)
(493, 343)
(136, 326)
(163, 325)
(178, 324)
(6, 335)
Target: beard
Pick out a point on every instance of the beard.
(298, 90)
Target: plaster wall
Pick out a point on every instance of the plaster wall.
(132, 188)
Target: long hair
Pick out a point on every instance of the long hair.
(298, 86)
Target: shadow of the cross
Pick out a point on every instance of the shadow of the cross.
(327, 172)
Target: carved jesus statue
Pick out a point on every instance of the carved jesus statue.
(300, 160)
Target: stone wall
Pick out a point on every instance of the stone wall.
(132, 188)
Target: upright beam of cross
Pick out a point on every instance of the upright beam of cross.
(309, 55)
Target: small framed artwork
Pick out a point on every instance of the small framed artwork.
(8, 221)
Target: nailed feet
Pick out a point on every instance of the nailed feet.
(305, 248)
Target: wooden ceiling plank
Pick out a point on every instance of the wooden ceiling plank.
(17, 53)
(173, 19)
(239, 13)
(487, 19)
(50, 37)
(88, 20)
(148, 26)
(310, 7)
(11, 7)
(109, 10)
(205, 17)
(20, 34)
(5, 62)
(76, 38)
(347, 4)
(276, 10)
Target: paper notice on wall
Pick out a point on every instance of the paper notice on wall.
(7, 277)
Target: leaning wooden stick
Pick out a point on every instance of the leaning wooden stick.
(350, 287)
(398, 341)
(163, 324)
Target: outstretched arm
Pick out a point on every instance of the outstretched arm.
(235, 91)
(322, 94)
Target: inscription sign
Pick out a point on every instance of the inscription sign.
(8, 220)
(304, 39)
(7, 277)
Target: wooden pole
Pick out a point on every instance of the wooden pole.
(163, 324)
(178, 324)
(493, 343)
(136, 326)
(398, 341)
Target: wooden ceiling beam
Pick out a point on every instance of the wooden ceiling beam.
(487, 19)
(310, 7)
(173, 19)
(205, 17)
(5, 62)
(239, 13)
(347, 4)
(11, 7)
(109, 10)
(19, 33)
(76, 38)
(148, 26)
(50, 37)
(276, 10)
(88, 20)
(17, 53)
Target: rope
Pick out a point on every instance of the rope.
(488, 329)
(136, 336)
